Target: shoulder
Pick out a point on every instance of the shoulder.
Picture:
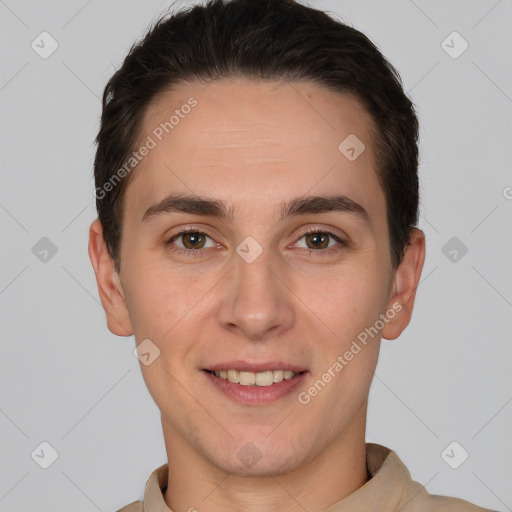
(153, 498)
(435, 503)
(392, 476)
(136, 506)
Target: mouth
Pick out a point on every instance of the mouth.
(257, 379)
(261, 387)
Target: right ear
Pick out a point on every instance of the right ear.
(109, 285)
(405, 284)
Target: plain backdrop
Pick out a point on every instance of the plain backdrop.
(67, 381)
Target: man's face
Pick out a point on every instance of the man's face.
(297, 304)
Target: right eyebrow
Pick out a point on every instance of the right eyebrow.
(190, 204)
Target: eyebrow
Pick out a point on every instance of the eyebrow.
(210, 207)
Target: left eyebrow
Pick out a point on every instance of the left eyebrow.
(320, 204)
(198, 205)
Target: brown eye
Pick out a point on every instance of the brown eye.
(193, 240)
(318, 240)
(190, 240)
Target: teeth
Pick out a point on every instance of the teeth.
(266, 378)
(247, 378)
(278, 375)
(232, 376)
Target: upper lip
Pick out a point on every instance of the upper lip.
(246, 366)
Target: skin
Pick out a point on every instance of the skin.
(255, 146)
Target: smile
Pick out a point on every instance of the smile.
(255, 388)
(265, 378)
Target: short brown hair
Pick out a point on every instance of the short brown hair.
(261, 40)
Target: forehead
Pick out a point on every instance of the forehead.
(256, 115)
(238, 139)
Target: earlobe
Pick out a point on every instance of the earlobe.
(109, 285)
(404, 286)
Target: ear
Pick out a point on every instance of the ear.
(404, 285)
(109, 285)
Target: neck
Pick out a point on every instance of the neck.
(194, 483)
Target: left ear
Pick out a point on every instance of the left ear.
(405, 283)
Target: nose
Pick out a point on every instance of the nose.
(256, 301)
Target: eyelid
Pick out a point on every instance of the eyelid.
(328, 250)
(189, 229)
(322, 230)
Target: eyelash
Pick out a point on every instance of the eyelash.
(200, 252)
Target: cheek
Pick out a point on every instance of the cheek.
(349, 305)
(162, 306)
(157, 298)
(346, 300)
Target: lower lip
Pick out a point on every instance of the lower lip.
(256, 395)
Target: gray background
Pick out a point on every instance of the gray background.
(67, 381)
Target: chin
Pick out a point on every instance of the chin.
(259, 462)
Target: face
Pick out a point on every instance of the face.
(254, 293)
